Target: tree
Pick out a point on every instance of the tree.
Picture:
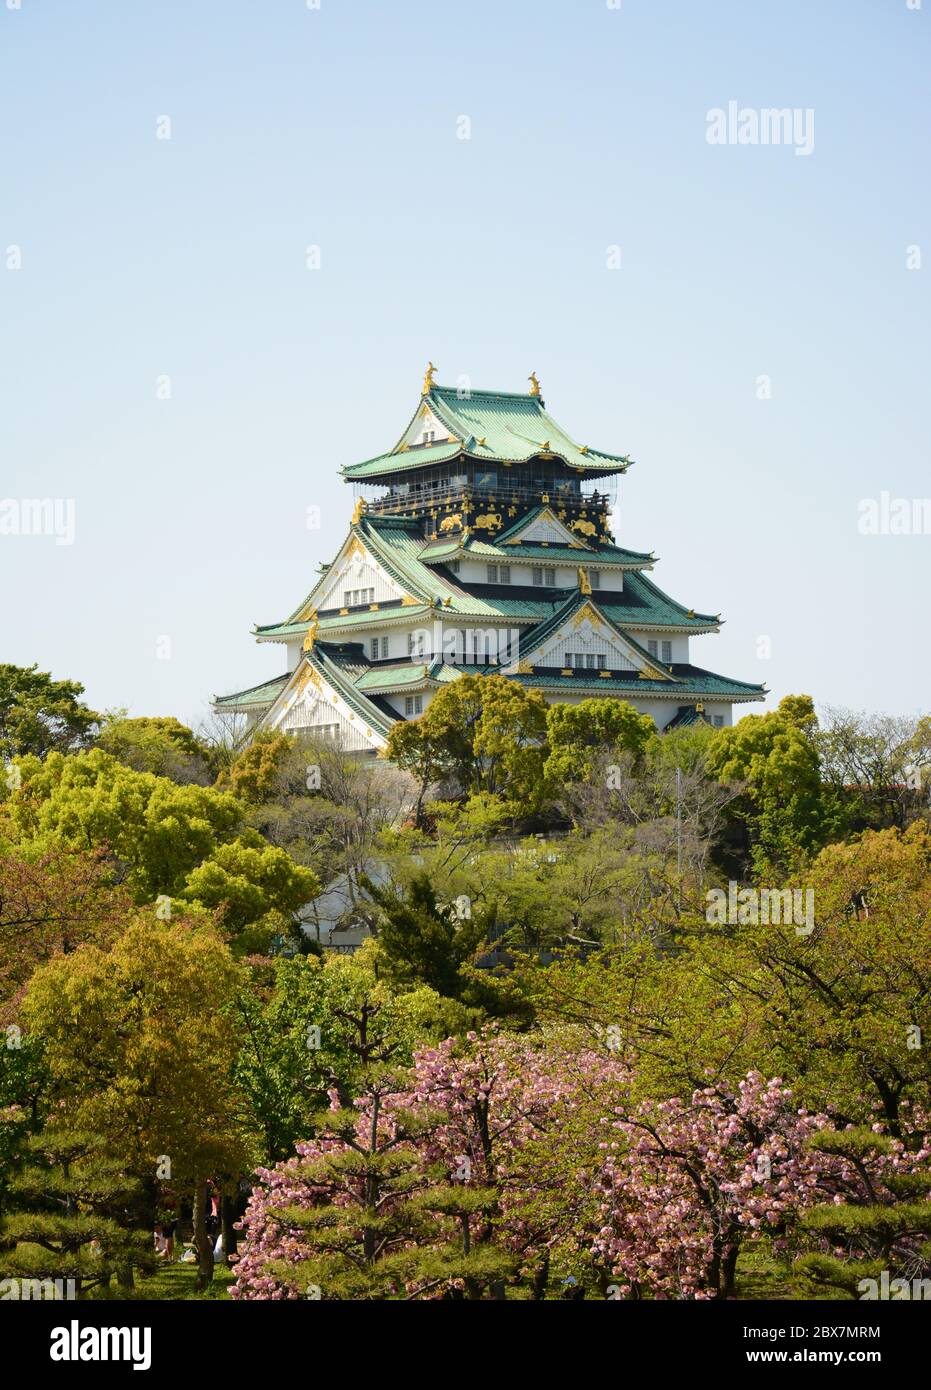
(419, 749)
(398, 1194)
(267, 767)
(140, 1044)
(76, 1221)
(51, 903)
(422, 940)
(251, 885)
(878, 1224)
(160, 745)
(161, 839)
(874, 765)
(155, 829)
(579, 736)
(691, 1181)
(298, 1035)
(38, 714)
(485, 733)
(776, 759)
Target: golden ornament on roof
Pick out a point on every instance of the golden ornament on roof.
(428, 379)
(312, 632)
(585, 586)
(357, 511)
(534, 384)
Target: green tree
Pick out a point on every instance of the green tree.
(268, 767)
(162, 839)
(488, 735)
(140, 1043)
(424, 941)
(420, 749)
(579, 735)
(775, 757)
(161, 745)
(75, 1219)
(38, 714)
(882, 1225)
(252, 885)
(299, 1029)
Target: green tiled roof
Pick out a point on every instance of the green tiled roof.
(534, 637)
(383, 464)
(641, 606)
(341, 668)
(383, 677)
(608, 555)
(257, 696)
(644, 604)
(492, 426)
(514, 426)
(690, 681)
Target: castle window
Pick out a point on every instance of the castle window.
(719, 721)
(538, 575)
(549, 578)
(413, 705)
(492, 574)
(652, 647)
(667, 651)
(504, 574)
(590, 661)
(375, 646)
(594, 578)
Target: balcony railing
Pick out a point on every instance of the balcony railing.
(441, 494)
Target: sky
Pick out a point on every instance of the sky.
(233, 233)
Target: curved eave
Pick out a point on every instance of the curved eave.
(426, 455)
(255, 699)
(681, 691)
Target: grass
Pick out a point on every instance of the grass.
(175, 1282)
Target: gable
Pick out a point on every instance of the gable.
(588, 633)
(544, 528)
(425, 428)
(355, 573)
(310, 706)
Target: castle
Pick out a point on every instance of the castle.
(481, 542)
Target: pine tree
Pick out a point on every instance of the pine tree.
(376, 1216)
(883, 1225)
(76, 1218)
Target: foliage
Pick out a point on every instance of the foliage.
(785, 806)
(579, 735)
(39, 714)
(161, 745)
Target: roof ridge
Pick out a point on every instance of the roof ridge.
(492, 395)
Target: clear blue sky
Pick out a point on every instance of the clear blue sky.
(337, 127)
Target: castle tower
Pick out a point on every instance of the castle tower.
(482, 542)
